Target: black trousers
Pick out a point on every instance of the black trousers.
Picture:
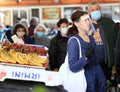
(107, 70)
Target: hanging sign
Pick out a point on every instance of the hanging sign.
(51, 13)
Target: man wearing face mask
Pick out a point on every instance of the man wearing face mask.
(58, 45)
(104, 33)
(39, 36)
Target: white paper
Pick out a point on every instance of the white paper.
(17, 40)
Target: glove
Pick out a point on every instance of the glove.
(89, 52)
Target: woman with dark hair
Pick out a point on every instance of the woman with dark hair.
(71, 31)
(21, 32)
(94, 75)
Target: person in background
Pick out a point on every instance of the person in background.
(117, 60)
(17, 20)
(33, 24)
(105, 33)
(2, 27)
(39, 36)
(52, 31)
(58, 45)
(94, 74)
(71, 31)
(10, 28)
(3, 30)
(21, 32)
(25, 22)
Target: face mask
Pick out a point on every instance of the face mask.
(1, 30)
(95, 15)
(40, 34)
(64, 30)
(20, 34)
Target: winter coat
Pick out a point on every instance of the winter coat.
(31, 30)
(110, 31)
(57, 51)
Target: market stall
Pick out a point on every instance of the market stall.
(24, 66)
(26, 62)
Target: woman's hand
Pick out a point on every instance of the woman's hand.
(89, 52)
(118, 85)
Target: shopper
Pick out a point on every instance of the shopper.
(58, 45)
(40, 37)
(94, 75)
(25, 22)
(104, 33)
(33, 24)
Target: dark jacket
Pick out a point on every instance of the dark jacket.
(28, 40)
(117, 58)
(31, 30)
(110, 32)
(57, 51)
(8, 35)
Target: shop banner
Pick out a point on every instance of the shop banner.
(51, 13)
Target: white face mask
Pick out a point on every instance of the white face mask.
(64, 30)
(20, 34)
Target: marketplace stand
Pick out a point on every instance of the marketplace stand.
(26, 72)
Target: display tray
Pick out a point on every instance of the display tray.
(29, 73)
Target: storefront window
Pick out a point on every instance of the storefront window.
(23, 14)
(15, 15)
(35, 13)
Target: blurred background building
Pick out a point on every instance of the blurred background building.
(47, 10)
